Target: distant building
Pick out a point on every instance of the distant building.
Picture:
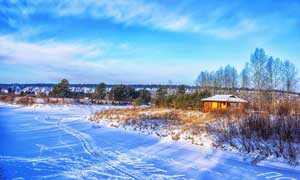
(224, 102)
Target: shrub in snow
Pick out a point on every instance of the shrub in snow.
(268, 135)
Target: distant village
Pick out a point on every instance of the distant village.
(85, 89)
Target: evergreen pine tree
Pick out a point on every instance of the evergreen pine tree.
(62, 89)
(100, 91)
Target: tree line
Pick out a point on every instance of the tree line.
(262, 72)
(120, 94)
(181, 99)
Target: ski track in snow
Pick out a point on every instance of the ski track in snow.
(102, 163)
(115, 162)
(140, 167)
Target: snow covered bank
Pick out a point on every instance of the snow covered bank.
(197, 128)
(169, 124)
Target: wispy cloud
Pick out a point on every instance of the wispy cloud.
(145, 13)
(80, 62)
(244, 26)
(45, 52)
(157, 16)
(127, 12)
(53, 60)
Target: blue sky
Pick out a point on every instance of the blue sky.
(90, 41)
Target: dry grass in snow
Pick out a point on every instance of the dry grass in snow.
(168, 123)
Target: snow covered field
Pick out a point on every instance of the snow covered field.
(58, 142)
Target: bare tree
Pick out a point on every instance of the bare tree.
(230, 76)
(289, 76)
(245, 76)
(258, 63)
(277, 69)
(219, 77)
(203, 79)
(269, 78)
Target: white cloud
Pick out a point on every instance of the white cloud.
(242, 27)
(80, 62)
(43, 52)
(157, 16)
(146, 13)
(128, 12)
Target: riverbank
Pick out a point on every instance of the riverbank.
(178, 125)
(221, 131)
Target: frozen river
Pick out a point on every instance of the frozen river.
(61, 144)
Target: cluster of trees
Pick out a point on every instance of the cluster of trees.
(180, 100)
(123, 93)
(222, 78)
(262, 72)
(119, 93)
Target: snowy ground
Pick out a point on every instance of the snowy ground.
(57, 142)
(142, 121)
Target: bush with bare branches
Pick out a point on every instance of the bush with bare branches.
(269, 135)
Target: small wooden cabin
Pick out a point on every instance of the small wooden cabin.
(223, 102)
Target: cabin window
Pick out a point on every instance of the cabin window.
(214, 105)
(233, 105)
(223, 105)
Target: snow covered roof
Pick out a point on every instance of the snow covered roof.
(227, 98)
